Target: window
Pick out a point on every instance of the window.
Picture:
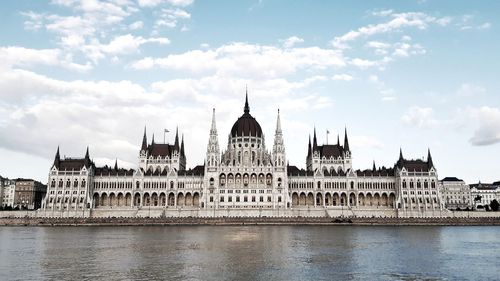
(261, 199)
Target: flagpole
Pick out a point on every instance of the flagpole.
(165, 131)
(327, 132)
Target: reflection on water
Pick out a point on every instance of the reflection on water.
(250, 253)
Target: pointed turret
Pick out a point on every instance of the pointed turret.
(401, 154)
(346, 141)
(429, 158)
(315, 140)
(278, 124)
(176, 144)
(309, 148)
(213, 128)
(153, 139)
(144, 145)
(182, 146)
(116, 164)
(247, 107)
(57, 158)
(374, 167)
(338, 139)
(87, 158)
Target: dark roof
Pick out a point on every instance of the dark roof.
(381, 172)
(196, 171)
(451, 179)
(413, 165)
(246, 125)
(294, 171)
(70, 164)
(483, 186)
(108, 171)
(497, 183)
(161, 149)
(330, 150)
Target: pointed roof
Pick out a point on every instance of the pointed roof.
(315, 140)
(338, 139)
(346, 141)
(278, 123)
(182, 145)
(401, 154)
(429, 158)
(374, 167)
(116, 164)
(309, 147)
(176, 144)
(57, 158)
(144, 145)
(87, 156)
(213, 129)
(246, 110)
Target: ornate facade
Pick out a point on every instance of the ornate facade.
(245, 176)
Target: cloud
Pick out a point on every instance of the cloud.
(342, 77)
(154, 3)
(170, 17)
(399, 21)
(136, 25)
(470, 90)
(24, 57)
(488, 131)
(420, 117)
(246, 60)
(292, 41)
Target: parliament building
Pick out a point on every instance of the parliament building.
(244, 179)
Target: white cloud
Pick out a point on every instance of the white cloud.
(170, 17)
(247, 60)
(343, 77)
(399, 21)
(405, 50)
(136, 25)
(362, 63)
(470, 90)
(420, 117)
(382, 13)
(292, 41)
(485, 25)
(154, 3)
(488, 132)
(388, 94)
(24, 57)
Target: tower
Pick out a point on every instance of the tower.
(212, 159)
(279, 146)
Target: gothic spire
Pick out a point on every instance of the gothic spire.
(57, 158)
(346, 141)
(338, 140)
(87, 158)
(213, 129)
(116, 164)
(278, 123)
(374, 167)
(309, 147)
(176, 144)
(144, 145)
(429, 158)
(400, 153)
(153, 139)
(315, 140)
(87, 153)
(247, 108)
(182, 145)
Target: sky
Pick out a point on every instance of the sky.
(414, 75)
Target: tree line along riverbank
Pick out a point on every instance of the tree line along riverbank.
(30, 221)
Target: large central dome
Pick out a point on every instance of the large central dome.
(246, 125)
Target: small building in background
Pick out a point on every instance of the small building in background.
(456, 194)
(7, 189)
(483, 193)
(28, 194)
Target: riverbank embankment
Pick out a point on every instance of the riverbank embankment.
(30, 221)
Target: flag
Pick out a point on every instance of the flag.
(166, 131)
(327, 131)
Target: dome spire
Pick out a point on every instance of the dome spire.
(247, 108)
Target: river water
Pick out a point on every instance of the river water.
(250, 253)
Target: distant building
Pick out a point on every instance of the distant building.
(483, 193)
(456, 193)
(29, 193)
(8, 188)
